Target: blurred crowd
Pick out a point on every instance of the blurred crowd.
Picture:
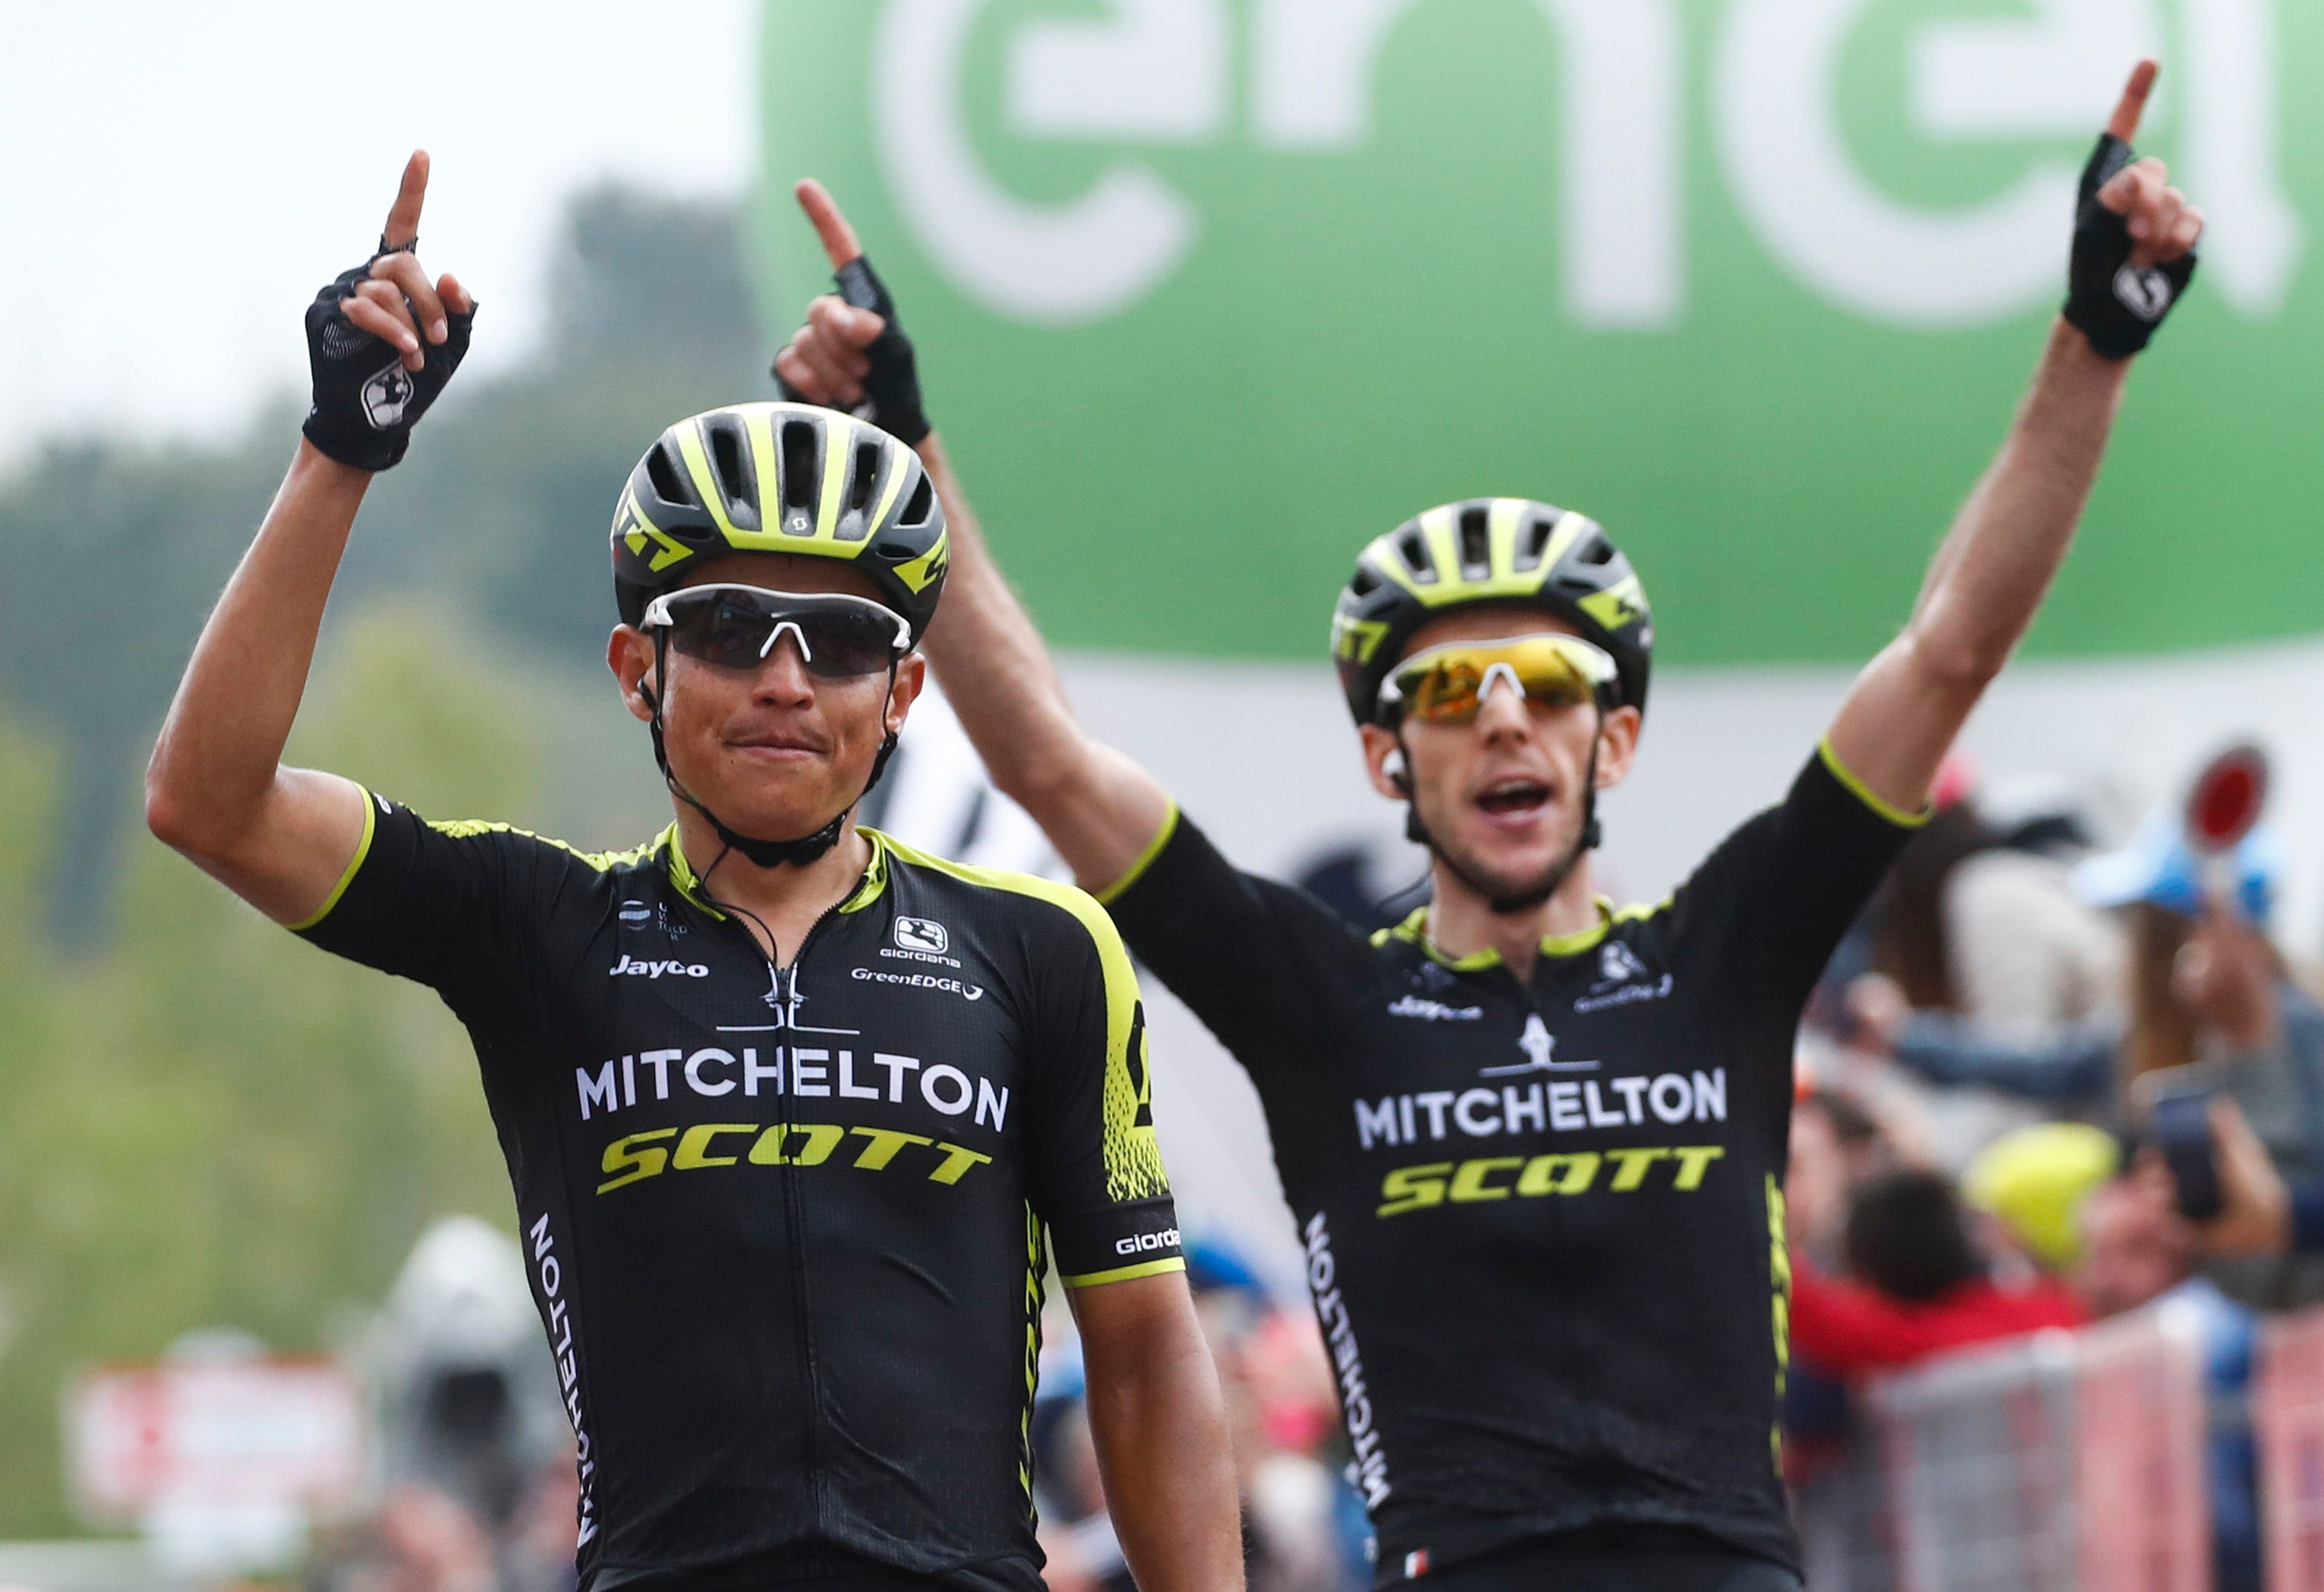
(1980, 1148)
(1304, 1528)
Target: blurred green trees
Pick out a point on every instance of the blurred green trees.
(115, 549)
(203, 1121)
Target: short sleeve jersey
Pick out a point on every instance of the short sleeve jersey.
(1543, 1218)
(787, 1230)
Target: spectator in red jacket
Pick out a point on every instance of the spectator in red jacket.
(1916, 1286)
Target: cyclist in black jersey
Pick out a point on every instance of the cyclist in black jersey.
(796, 1116)
(1534, 1143)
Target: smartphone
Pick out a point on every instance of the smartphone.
(2179, 1112)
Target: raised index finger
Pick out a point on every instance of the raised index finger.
(404, 218)
(838, 238)
(2125, 125)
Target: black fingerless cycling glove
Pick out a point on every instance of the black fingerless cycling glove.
(365, 403)
(2117, 305)
(891, 388)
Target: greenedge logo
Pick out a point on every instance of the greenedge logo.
(1210, 293)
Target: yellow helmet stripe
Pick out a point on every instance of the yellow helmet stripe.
(893, 488)
(838, 433)
(1570, 528)
(766, 461)
(1501, 538)
(698, 465)
(1444, 551)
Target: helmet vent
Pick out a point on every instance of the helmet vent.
(1364, 584)
(916, 511)
(726, 467)
(1476, 545)
(1599, 551)
(866, 477)
(799, 475)
(1413, 549)
(1537, 543)
(663, 474)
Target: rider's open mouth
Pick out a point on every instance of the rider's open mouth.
(1513, 796)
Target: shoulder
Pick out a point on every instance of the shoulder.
(510, 837)
(989, 901)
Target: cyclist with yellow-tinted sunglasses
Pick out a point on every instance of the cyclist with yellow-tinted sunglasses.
(1534, 1142)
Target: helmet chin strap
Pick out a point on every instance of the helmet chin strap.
(1503, 905)
(799, 852)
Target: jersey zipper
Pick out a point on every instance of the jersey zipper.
(794, 1200)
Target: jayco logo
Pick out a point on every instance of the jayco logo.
(1433, 1011)
(630, 967)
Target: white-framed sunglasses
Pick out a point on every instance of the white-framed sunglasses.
(734, 626)
(1449, 684)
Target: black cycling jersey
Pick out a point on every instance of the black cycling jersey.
(1543, 1219)
(785, 1230)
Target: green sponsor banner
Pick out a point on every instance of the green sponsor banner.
(1210, 291)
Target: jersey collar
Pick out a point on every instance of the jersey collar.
(683, 878)
(1414, 931)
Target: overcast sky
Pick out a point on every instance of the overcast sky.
(179, 178)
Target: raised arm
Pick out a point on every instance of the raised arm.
(384, 340)
(1100, 809)
(1996, 565)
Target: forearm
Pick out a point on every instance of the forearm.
(1159, 1424)
(1987, 578)
(2006, 546)
(1099, 809)
(216, 763)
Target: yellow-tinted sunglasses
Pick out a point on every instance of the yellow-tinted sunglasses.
(1448, 684)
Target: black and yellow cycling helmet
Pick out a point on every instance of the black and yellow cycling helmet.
(781, 478)
(1488, 550)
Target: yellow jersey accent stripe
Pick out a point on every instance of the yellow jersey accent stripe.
(1581, 939)
(875, 874)
(1123, 1274)
(461, 829)
(1037, 1267)
(838, 434)
(1864, 793)
(1414, 931)
(681, 871)
(697, 464)
(363, 850)
(1113, 892)
(1133, 1156)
